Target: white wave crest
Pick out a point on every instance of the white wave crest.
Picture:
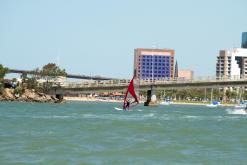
(149, 115)
(236, 111)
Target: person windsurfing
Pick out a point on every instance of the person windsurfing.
(127, 104)
(130, 95)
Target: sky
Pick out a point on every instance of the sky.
(95, 37)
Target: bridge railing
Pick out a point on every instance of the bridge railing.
(125, 82)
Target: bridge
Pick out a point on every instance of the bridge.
(105, 84)
(84, 77)
(121, 85)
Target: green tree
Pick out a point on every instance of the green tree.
(36, 73)
(49, 72)
(1, 88)
(31, 83)
(3, 71)
(19, 90)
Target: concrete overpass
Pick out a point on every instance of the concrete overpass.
(122, 86)
(84, 77)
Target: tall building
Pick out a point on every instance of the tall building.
(232, 64)
(156, 64)
(244, 40)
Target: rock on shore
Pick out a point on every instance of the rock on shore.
(27, 96)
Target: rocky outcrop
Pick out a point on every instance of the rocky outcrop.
(7, 94)
(27, 96)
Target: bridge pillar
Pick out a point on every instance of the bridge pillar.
(151, 98)
(57, 92)
(175, 95)
(59, 97)
(205, 94)
(224, 95)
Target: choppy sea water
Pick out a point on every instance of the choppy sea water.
(96, 133)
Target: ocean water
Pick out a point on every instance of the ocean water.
(96, 133)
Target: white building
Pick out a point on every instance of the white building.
(232, 64)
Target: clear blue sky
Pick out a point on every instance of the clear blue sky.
(97, 37)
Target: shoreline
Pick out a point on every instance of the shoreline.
(88, 99)
(201, 103)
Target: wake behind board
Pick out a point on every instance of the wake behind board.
(118, 109)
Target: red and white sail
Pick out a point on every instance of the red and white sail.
(131, 96)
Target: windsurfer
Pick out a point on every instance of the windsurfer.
(128, 104)
(129, 96)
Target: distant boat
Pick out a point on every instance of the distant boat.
(165, 103)
(241, 105)
(213, 104)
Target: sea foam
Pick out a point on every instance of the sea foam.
(236, 111)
